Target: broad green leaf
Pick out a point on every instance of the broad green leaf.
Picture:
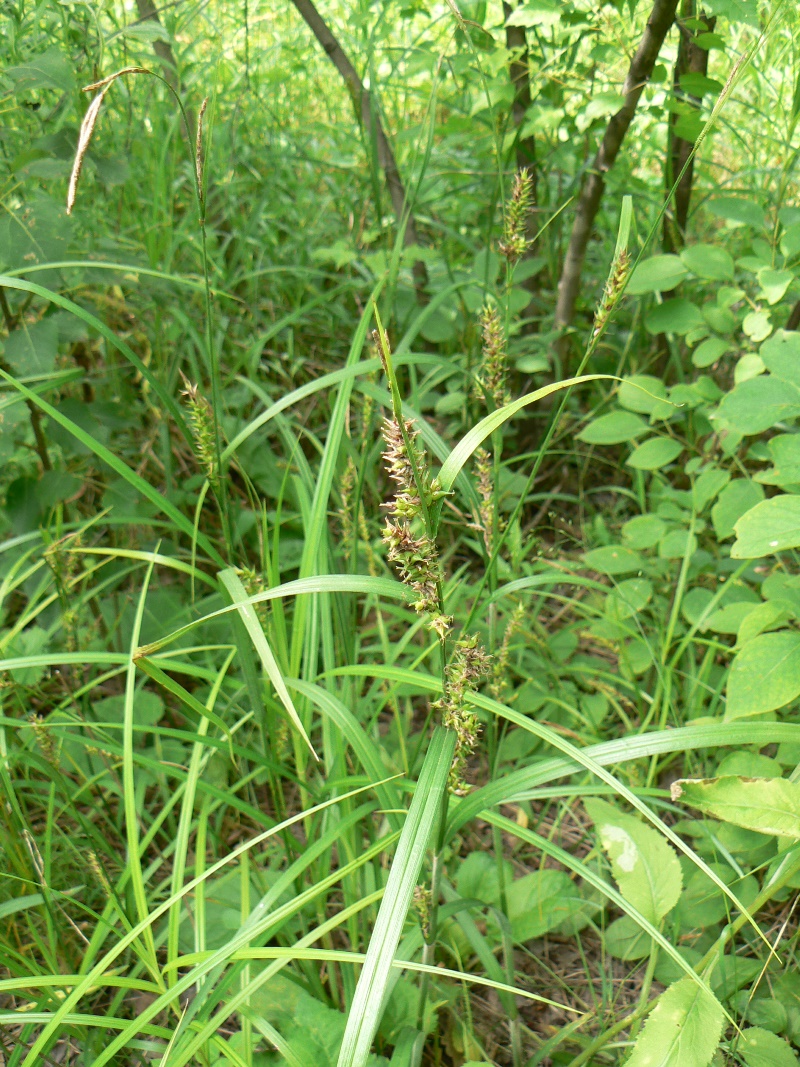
(709, 351)
(628, 598)
(655, 453)
(658, 274)
(683, 1030)
(534, 13)
(644, 866)
(613, 429)
(774, 284)
(757, 404)
(708, 261)
(677, 544)
(737, 498)
(757, 325)
(781, 355)
(366, 1008)
(771, 615)
(624, 939)
(32, 350)
(49, 70)
(737, 210)
(613, 559)
(737, 11)
(541, 901)
(765, 675)
(767, 805)
(771, 526)
(644, 394)
(708, 485)
(760, 1048)
(678, 315)
(785, 453)
(643, 531)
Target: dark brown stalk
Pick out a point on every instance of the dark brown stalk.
(661, 18)
(148, 12)
(519, 74)
(794, 317)
(691, 60)
(371, 123)
(33, 411)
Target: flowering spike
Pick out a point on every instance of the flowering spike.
(410, 548)
(462, 676)
(494, 363)
(201, 419)
(515, 244)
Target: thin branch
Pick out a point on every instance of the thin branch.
(692, 59)
(658, 24)
(371, 122)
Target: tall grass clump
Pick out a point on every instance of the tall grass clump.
(358, 707)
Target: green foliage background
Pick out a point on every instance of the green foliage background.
(232, 830)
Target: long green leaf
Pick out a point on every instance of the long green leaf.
(238, 594)
(365, 1011)
(7, 282)
(495, 419)
(148, 491)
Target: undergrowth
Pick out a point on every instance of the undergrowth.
(394, 674)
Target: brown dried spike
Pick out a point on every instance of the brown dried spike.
(88, 125)
(198, 147)
(105, 82)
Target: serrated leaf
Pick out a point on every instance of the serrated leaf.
(683, 1030)
(767, 805)
(760, 1048)
(644, 866)
(765, 675)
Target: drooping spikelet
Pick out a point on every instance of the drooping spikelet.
(462, 675)
(484, 469)
(409, 547)
(499, 682)
(494, 362)
(88, 125)
(515, 244)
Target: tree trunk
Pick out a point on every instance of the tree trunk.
(661, 18)
(519, 74)
(691, 60)
(163, 50)
(371, 122)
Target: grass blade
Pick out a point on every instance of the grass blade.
(365, 1011)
